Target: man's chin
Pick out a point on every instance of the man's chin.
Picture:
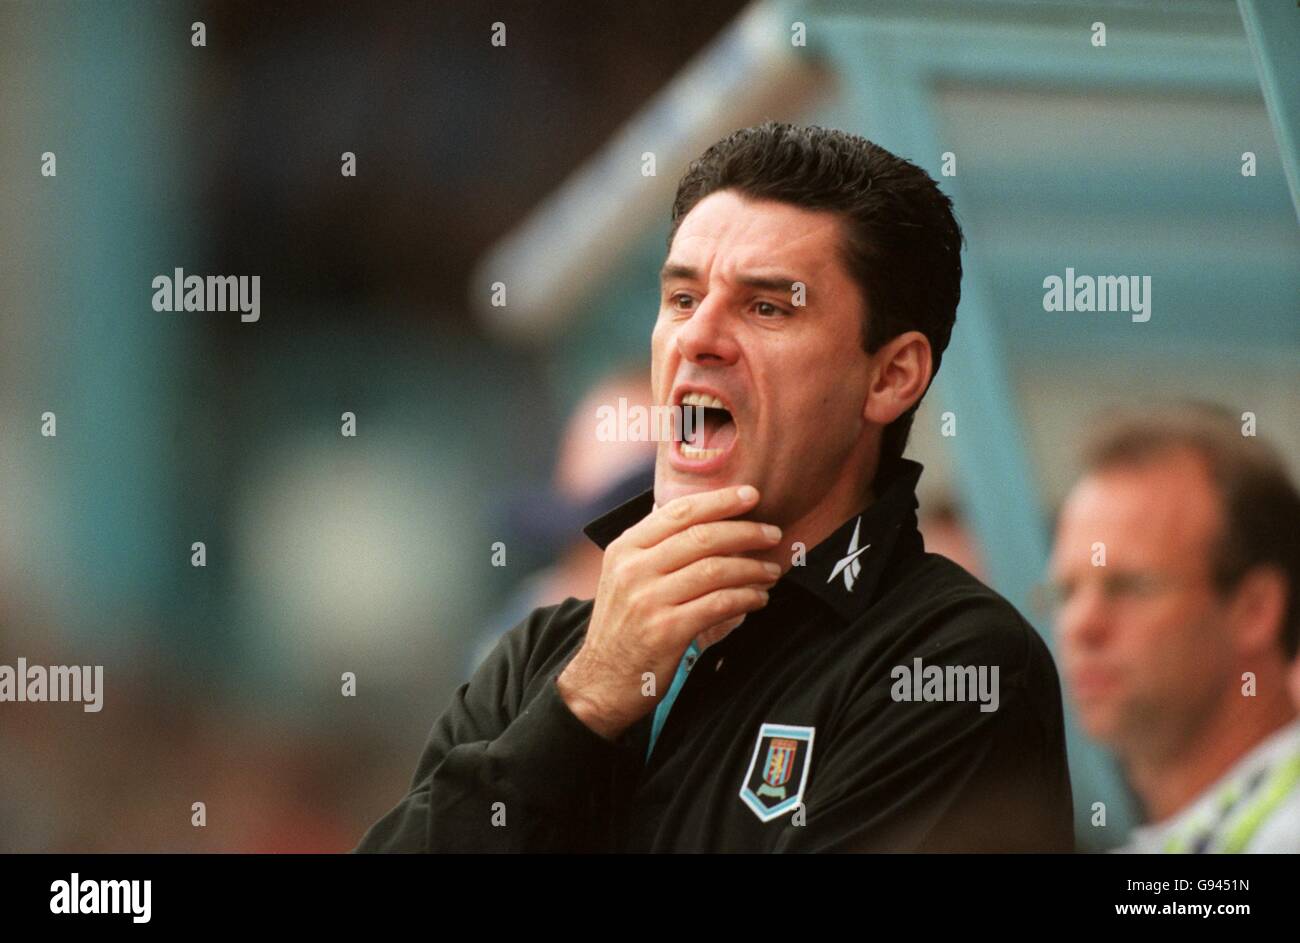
(670, 491)
(672, 486)
(1100, 722)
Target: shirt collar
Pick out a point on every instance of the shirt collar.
(844, 570)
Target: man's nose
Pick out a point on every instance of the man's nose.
(707, 336)
(1085, 619)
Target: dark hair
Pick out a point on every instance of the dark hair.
(1261, 506)
(902, 244)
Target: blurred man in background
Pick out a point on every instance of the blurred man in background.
(1176, 566)
(947, 533)
(590, 476)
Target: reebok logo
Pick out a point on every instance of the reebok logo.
(850, 566)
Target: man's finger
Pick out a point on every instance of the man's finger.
(704, 576)
(716, 633)
(714, 539)
(718, 606)
(680, 513)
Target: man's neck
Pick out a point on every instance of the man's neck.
(810, 530)
(1168, 782)
(835, 506)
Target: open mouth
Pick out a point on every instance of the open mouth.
(708, 428)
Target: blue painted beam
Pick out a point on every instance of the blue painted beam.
(1273, 29)
(891, 98)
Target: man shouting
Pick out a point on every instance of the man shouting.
(772, 662)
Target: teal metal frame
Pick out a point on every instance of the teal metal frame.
(1274, 31)
(889, 65)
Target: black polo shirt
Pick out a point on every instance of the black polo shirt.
(850, 714)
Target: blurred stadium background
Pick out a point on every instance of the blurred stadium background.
(521, 164)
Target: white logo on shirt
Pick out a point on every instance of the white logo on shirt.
(850, 565)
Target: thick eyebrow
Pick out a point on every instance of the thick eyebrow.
(768, 282)
(771, 282)
(672, 270)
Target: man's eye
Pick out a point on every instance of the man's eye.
(767, 309)
(677, 300)
(1132, 584)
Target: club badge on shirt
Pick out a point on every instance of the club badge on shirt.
(778, 773)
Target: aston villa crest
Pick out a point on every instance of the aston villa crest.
(778, 772)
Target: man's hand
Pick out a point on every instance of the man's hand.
(675, 575)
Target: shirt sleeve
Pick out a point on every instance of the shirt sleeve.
(507, 766)
(944, 776)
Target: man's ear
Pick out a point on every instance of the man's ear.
(900, 375)
(1259, 609)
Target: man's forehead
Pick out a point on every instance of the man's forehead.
(1149, 510)
(755, 233)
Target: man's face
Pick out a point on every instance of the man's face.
(792, 379)
(1145, 650)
